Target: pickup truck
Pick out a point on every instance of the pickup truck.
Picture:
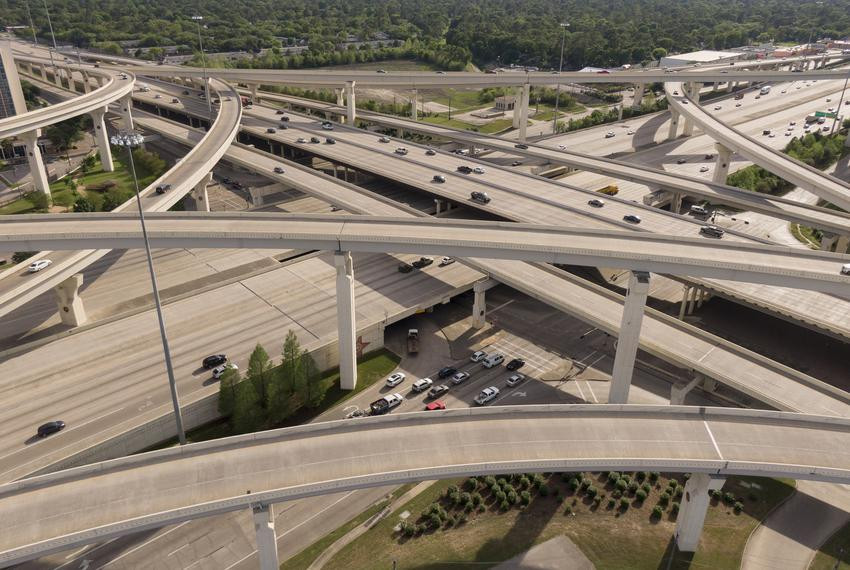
(412, 341)
(385, 404)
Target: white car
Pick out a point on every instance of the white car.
(703, 169)
(37, 266)
(328, 126)
(487, 395)
(562, 146)
(301, 140)
(515, 379)
(478, 356)
(596, 202)
(493, 360)
(384, 139)
(784, 91)
(630, 132)
(478, 170)
(422, 384)
(609, 134)
(845, 269)
(219, 371)
(446, 261)
(460, 377)
(717, 107)
(401, 150)
(395, 379)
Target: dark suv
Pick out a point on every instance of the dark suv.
(446, 372)
(50, 428)
(163, 188)
(464, 169)
(214, 360)
(422, 262)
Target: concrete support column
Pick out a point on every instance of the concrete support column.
(692, 91)
(629, 338)
(721, 165)
(266, 539)
(198, 199)
(340, 97)
(36, 164)
(693, 300)
(345, 317)
(701, 296)
(479, 305)
(86, 86)
(43, 71)
(437, 203)
(57, 78)
(686, 290)
(640, 90)
(680, 390)
(523, 111)
(828, 241)
(843, 241)
(676, 204)
(102, 138)
(126, 103)
(70, 306)
(730, 85)
(693, 509)
(350, 104)
(254, 92)
(414, 101)
(674, 125)
(515, 118)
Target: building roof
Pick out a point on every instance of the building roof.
(705, 55)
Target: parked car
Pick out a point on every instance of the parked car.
(596, 202)
(478, 356)
(460, 377)
(487, 395)
(712, 231)
(439, 178)
(446, 371)
(219, 371)
(515, 364)
(422, 384)
(163, 188)
(395, 379)
(480, 197)
(279, 170)
(214, 360)
(50, 428)
(515, 379)
(435, 405)
(446, 261)
(438, 390)
(634, 219)
(37, 266)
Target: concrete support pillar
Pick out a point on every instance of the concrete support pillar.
(693, 300)
(266, 539)
(515, 118)
(701, 296)
(676, 203)
(345, 317)
(680, 390)
(102, 138)
(843, 241)
(86, 86)
(828, 241)
(254, 92)
(640, 90)
(126, 103)
(730, 85)
(437, 203)
(340, 97)
(479, 305)
(36, 164)
(629, 338)
(693, 509)
(523, 111)
(721, 165)
(71, 309)
(692, 91)
(414, 101)
(198, 199)
(350, 104)
(674, 125)
(57, 77)
(686, 290)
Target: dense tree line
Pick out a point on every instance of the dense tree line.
(486, 31)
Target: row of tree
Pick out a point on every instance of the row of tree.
(269, 394)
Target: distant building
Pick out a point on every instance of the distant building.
(11, 95)
(702, 56)
(505, 103)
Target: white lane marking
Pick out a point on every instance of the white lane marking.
(580, 391)
(589, 387)
(502, 306)
(178, 549)
(77, 552)
(145, 543)
(305, 521)
(711, 435)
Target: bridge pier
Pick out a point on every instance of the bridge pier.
(692, 92)
(102, 139)
(266, 539)
(842, 243)
(350, 105)
(676, 203)
(828, 241)
(479, 305)
(36, 164)
(674, 125)
(525, 91)
(637, 99)
(693, 509)
(126, 103)
(71, 309)
(255, 93)
(413, 102)
(345, 317)
(629, 338)
(680, 390)
(721, 165)
(198, 199)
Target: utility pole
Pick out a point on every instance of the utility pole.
(564, 26)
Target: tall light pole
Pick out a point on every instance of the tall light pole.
(131, 140)
(204, 63)
(32, 26)
(53, 36)
(838, 109)
(564, 26)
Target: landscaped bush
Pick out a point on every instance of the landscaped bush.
(640, 495)
(728, 498)
(513, 497)
(674, 508)
(624, 503)
(612, 503)
(568, 510)
(657, 512)
(621, 485)
(471, 484)
(573, 484)
(633, 487)
(664, 499)
(543, 490)
(646, 488)
(526, 497)
(592, 491)
(738, 507)
(653, 476)
(477, 499)
(613, 476)
(641, 475)
(489, 480)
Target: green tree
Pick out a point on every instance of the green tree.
(247, 414)
(38, 199)
(284, 399)
(114, 197)
(83, 204)
(148, 163)
(227, 389)
(65, 133)
(659, 53)
(316, 388)
(260, 374)
(20, 256)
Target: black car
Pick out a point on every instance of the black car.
(50, 428)
(437, 391)
(163, 188)
(446, 372)
(214, 360)
(405, 268)
(515, 364)
(439, 178)
(422, 262)
(329, 140)
(279, 112)
(286, 119)
(632, 218)
(521, 146)
(464, 169)
(185, 92)
(270, 130)
(430, 152)
(315, 140)
(481, 197)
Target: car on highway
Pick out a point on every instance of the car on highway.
(283, 126)
(765, 132)
(301, 140)
(422, 384)
(515, 379)
(219, 371)
(382, 71)
(784, 91)
(163, 188)
(435, 405)
(681, 161)
(446, 261)
(328, 126)
(315, 140)
(480, 197)
(384, 139)
(609, 134)
(845, 269)
(487, 395)
(478, 356)
(712, 231)
(516, 163)
(423, 262)
(521, 146)
(285, 119)
(446, 371)
(401, 150)
(698, 210)
(463, 169)
(430, 152)
(437, 391)
(460, 377)
(404, 267)
(271, 130)
(214, 360)
(478, 170)
(515, 364)
(630, 132)
(703, 169)
(329, 140)
(441, 72)
(37, 266)
(395, 379)
(596, 202)
(279, 170)
(157, 96)
(493, 360)
(438, 178)
(632, 218)
(737, 104)
(50, 428)
(717, 107)
(175, 100)
(279, 112)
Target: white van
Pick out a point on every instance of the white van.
(698, 210)
(493, 360)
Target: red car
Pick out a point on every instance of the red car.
(436, 405)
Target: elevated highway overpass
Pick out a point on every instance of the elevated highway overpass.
(92, 503)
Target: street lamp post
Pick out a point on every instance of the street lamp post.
(132, 140)
(564, 26)
(838, 109)
(204, 63)
(53, 36)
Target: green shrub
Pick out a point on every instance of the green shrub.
(489, 480)
(738, 507)
(525, 482)
(568, 510)
(616, 493)
(421, 528)
(573, 484)
(613, 476)
(471, 484)
(621, 485)
(501, 496)
(716, 494)
(664, 499)
(525, 497)
(592, 491)
(508, 488)
(633, 487)
(434, 520)
(728, 498)
(657, 512)
(612, 503)
(512, 497)
(597, 500)
(624, 503)
(674, 508)
(451, 490)
(544, 490)
(653, 476)
(646, 488)
(408, 529)
(502, 482)
(641, 475)
(504, 505)
(640, 495)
